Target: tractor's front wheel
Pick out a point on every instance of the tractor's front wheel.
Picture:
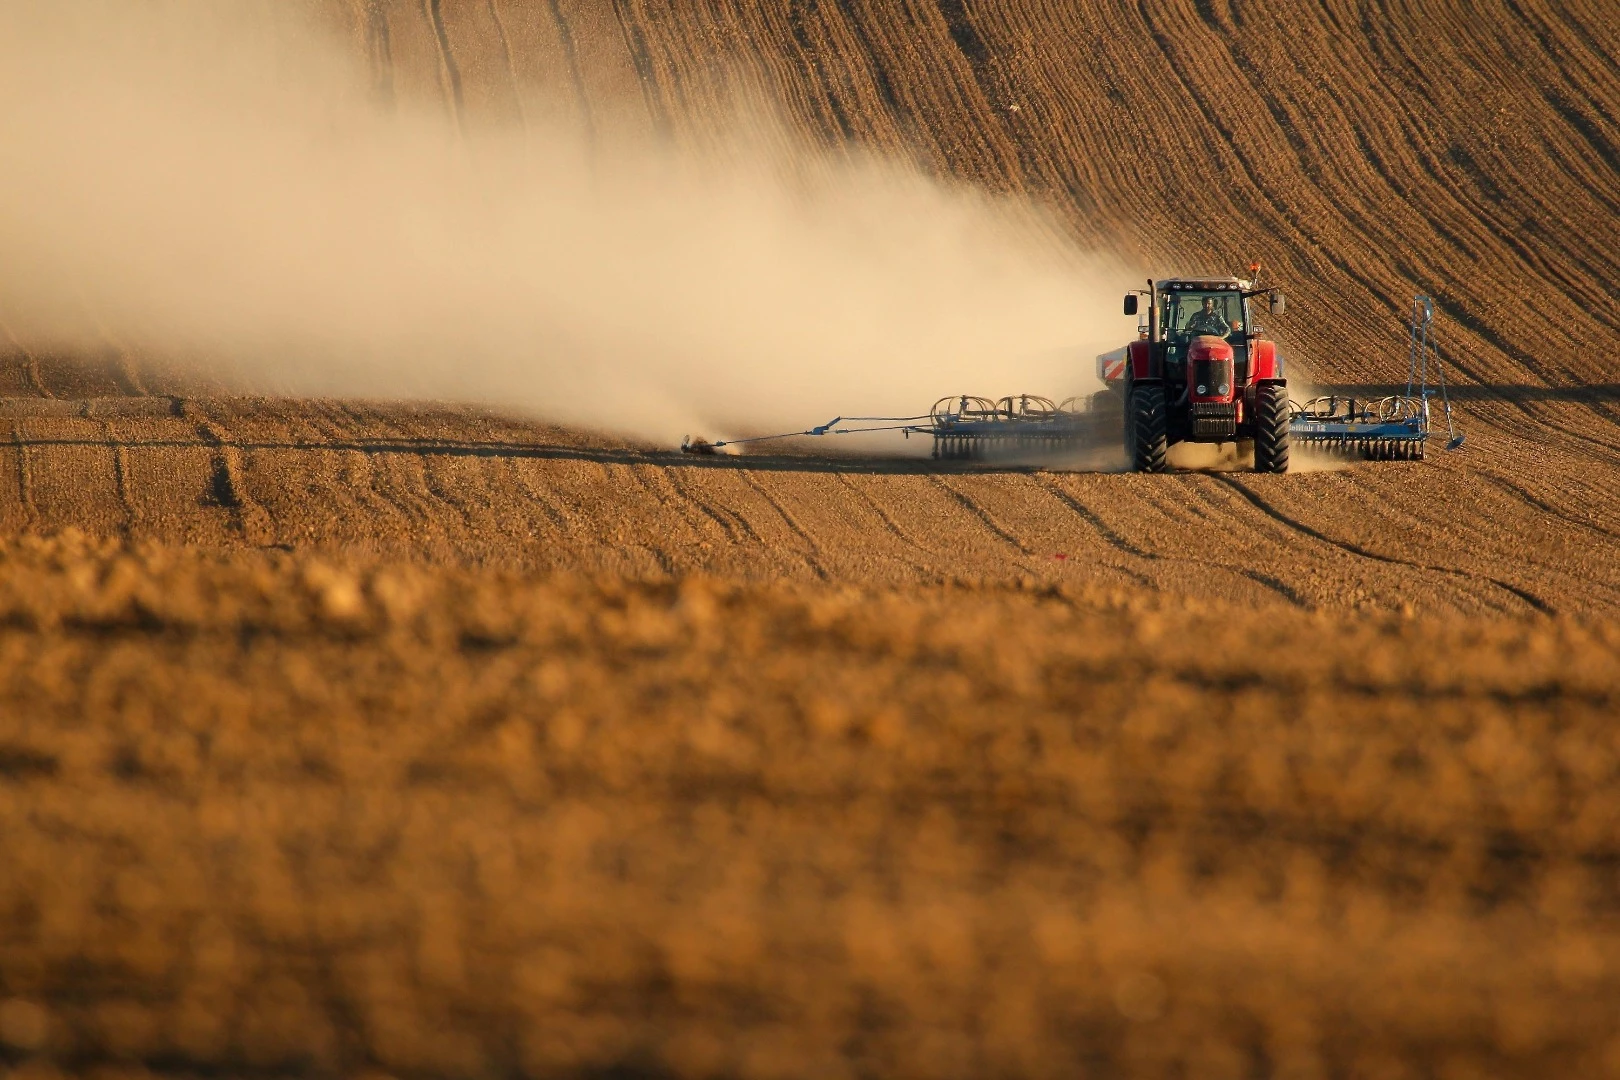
(1145, 424)
(1271, 428)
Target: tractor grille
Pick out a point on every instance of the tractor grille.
(1214, 375)
(1214, 420)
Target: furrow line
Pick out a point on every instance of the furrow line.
(511, 64)
(121, 477)
(883, 515)
(1524, 495)
(814, 558)
(379, 54)
(1356, 549)
(576, 78)
(733, 525)
(1092, 518)
(433, 11)
(25, 477)
(30, 363)
(227, 485)
(641, 59)
(982, 515)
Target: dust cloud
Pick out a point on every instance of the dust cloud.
(214, 183)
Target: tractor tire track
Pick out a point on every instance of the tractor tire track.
(889, 523)
(446, 498)
(379, 49)
(649, 481)
(635, 42)
(510, 63)
(545, 498)
(576, 77)
(227, 486)
(1270, 511)
(1095, 521)
(814, 557)
(386, 489)
(31, 377)
(25, 478)
(121, 477)
(342, 465)
(1435, 522)
(1126, 547)
(500, 478)
(982, 515)
(1610, 452)
(450, 72)
(124, 368)
(399, 485)
(669, 493)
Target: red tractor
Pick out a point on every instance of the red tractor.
(1200, 371)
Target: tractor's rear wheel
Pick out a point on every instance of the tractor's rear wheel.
(1145, 425)
(1271, 428)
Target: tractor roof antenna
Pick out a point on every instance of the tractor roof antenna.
(1421, 345)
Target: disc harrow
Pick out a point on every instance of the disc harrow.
(1390, 428)
(966, 427)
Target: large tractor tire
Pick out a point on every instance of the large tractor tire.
(1145, 424)
(1271, 428)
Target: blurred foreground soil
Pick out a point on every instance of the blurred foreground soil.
(268, 812)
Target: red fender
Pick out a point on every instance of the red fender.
(1141, 357)
(1264, 361)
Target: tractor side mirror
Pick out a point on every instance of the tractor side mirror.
(1277, 303)
(1130, 303)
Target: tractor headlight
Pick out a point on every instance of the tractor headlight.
(1224, 388)
(1202, 389)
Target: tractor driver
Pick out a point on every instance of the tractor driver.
(1208, 321)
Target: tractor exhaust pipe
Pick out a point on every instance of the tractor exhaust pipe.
(1153, 315)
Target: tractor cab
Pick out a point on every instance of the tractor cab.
(1204, 322)
(1199, 321)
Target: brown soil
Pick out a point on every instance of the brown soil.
(339, 736)
(269, 811)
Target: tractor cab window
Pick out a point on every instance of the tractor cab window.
(1184, 314)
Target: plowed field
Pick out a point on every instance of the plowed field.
(342, 736)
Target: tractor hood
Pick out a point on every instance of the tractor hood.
(1209, 347)
(1210, 375)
